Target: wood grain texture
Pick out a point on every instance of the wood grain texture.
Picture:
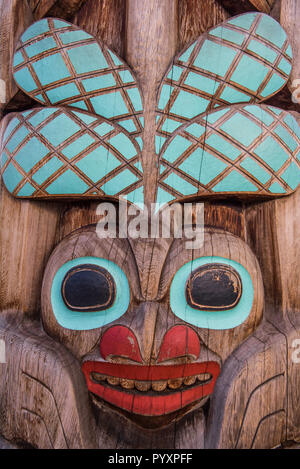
(242, 6)
(289, 19)
(64, 9)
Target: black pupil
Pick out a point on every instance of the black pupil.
(214, 287)
(88, 288)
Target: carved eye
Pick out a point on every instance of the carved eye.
(89, 292)
(88, 287)
(212, 293)
(214, 287)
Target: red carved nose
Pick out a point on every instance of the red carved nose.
(179, 341)
(121, 342)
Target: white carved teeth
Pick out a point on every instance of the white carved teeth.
(158, 386)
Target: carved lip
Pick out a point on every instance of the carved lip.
(150, 403)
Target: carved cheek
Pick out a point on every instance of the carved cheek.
(119, 341)
(179, 341)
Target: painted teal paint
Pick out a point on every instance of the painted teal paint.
(271, 30)
(274, 84)
(98, 164)
(24, 79)
(292, 124)
(139, 166)
(51, 69)
(180, 184)
(63, 92)
(59, 130)
(215, 58)
(3, 159)
(74, 36)
(142, 121)
(41, 116)
(175, 149)
(129, 125)
(136, 196)
(243, 21)
(286, 137)
(26, 113)
(119, 182)
(140, 142)
(202, 83)
(186, 55)
(124, 146)
(163, 197)
(249, 73)
(88, 58)
(17, 138)
(159, 141)
(298, 156)
(11, 177)
(37, 48)
(135, 98)
(189, 105)
(109, 105)
(222, 145)
(262, 50)
(250, 165)
(241, 129)
(219, 320)
(60, 24)
(10, 128)
(80, 105)
(276, 110)
(215, 116)
(231, 95)
(161, 169)
(195, 129)
(40, 27)
(115, 59)
(292, 175)
(39, 97)
(75, 320)
(202, 166)
(66, 184)
(87, 119)
(170, 125)
(47, 170)
(272, 153)
(26, 190)
(98, 83)
(285, 66)
(18, 59)
(276, 188)
(80, 144)
(126, 76)
(175, 73)
(31, 154)
(228, 35)
(165, 95)
(257, 111)
(235, 182)
(103, 129)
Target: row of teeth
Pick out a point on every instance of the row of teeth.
(154, 385)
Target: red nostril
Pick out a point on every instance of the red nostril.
(179, 341)
(120, 341)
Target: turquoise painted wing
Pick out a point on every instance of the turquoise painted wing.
(245, 149)
(57, 63)
(58, 152)
(237, 150)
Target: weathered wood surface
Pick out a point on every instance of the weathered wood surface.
(57, 8)
(289, 18)
(236, 7)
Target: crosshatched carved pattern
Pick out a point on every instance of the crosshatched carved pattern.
(56, 63)
(245, 59)
(238, 149)
(54, 152)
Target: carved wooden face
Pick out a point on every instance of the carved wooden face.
(150, 321)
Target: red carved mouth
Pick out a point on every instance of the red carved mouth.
(150, 402)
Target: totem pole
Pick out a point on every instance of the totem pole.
(140, 342)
